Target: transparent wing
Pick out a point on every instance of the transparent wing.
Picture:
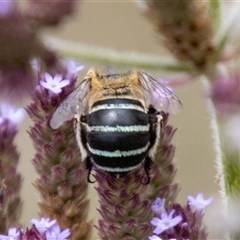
(159, 96)
(74, 103)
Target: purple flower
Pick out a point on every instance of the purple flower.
(74, 67)
(20, 43)
(5, 7)
(13, 234)
(54, 233)
(43, 224)
(41, 230)
(154, 237)
(7, 111)
(158, 206)
(54, 84)
(198, 202)
(225, 91)
(166, 221)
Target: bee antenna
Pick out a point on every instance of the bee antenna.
(147, 164)
(89, 168)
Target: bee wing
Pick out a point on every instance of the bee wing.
(157, 95)
(74, 103)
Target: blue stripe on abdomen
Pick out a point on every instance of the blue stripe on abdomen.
(117, 141)
(117, 128)
(118, 164)
(118, 153)
(118, 135)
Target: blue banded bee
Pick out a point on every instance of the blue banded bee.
(118, 119)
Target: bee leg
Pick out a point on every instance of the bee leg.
(155, 121)
(80, 134)
(147, 164)
(89, 168)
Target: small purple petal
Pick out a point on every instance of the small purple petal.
(79, 68)
(44, 84)
(4, 237)
(154, 237)
(55, 89)
(74, 67)
(15, 115)
(54, 233)
(158, 205)
(48, 77)
(57, 78)
(43, 224)
(5, 7)
(54, 84)
(13, 234)
(155, 221)
(198, 202)
(165, 222)
(63, 83)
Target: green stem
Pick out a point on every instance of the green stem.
(215, 10)
(227, 164)
(232, 169)
(224, 31)
(106, 56)
(220, 167)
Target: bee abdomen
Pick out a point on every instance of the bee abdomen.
(118, 134)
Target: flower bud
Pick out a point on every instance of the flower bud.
(64, 191)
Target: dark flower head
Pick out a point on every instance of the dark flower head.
(186, 27)
(49, 13)
(20, 43)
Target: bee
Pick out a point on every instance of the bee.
(118, 119)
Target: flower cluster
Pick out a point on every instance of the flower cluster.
(177, 222)
(41, 230)
(20, 43)
(10, 179)
(62, 183)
